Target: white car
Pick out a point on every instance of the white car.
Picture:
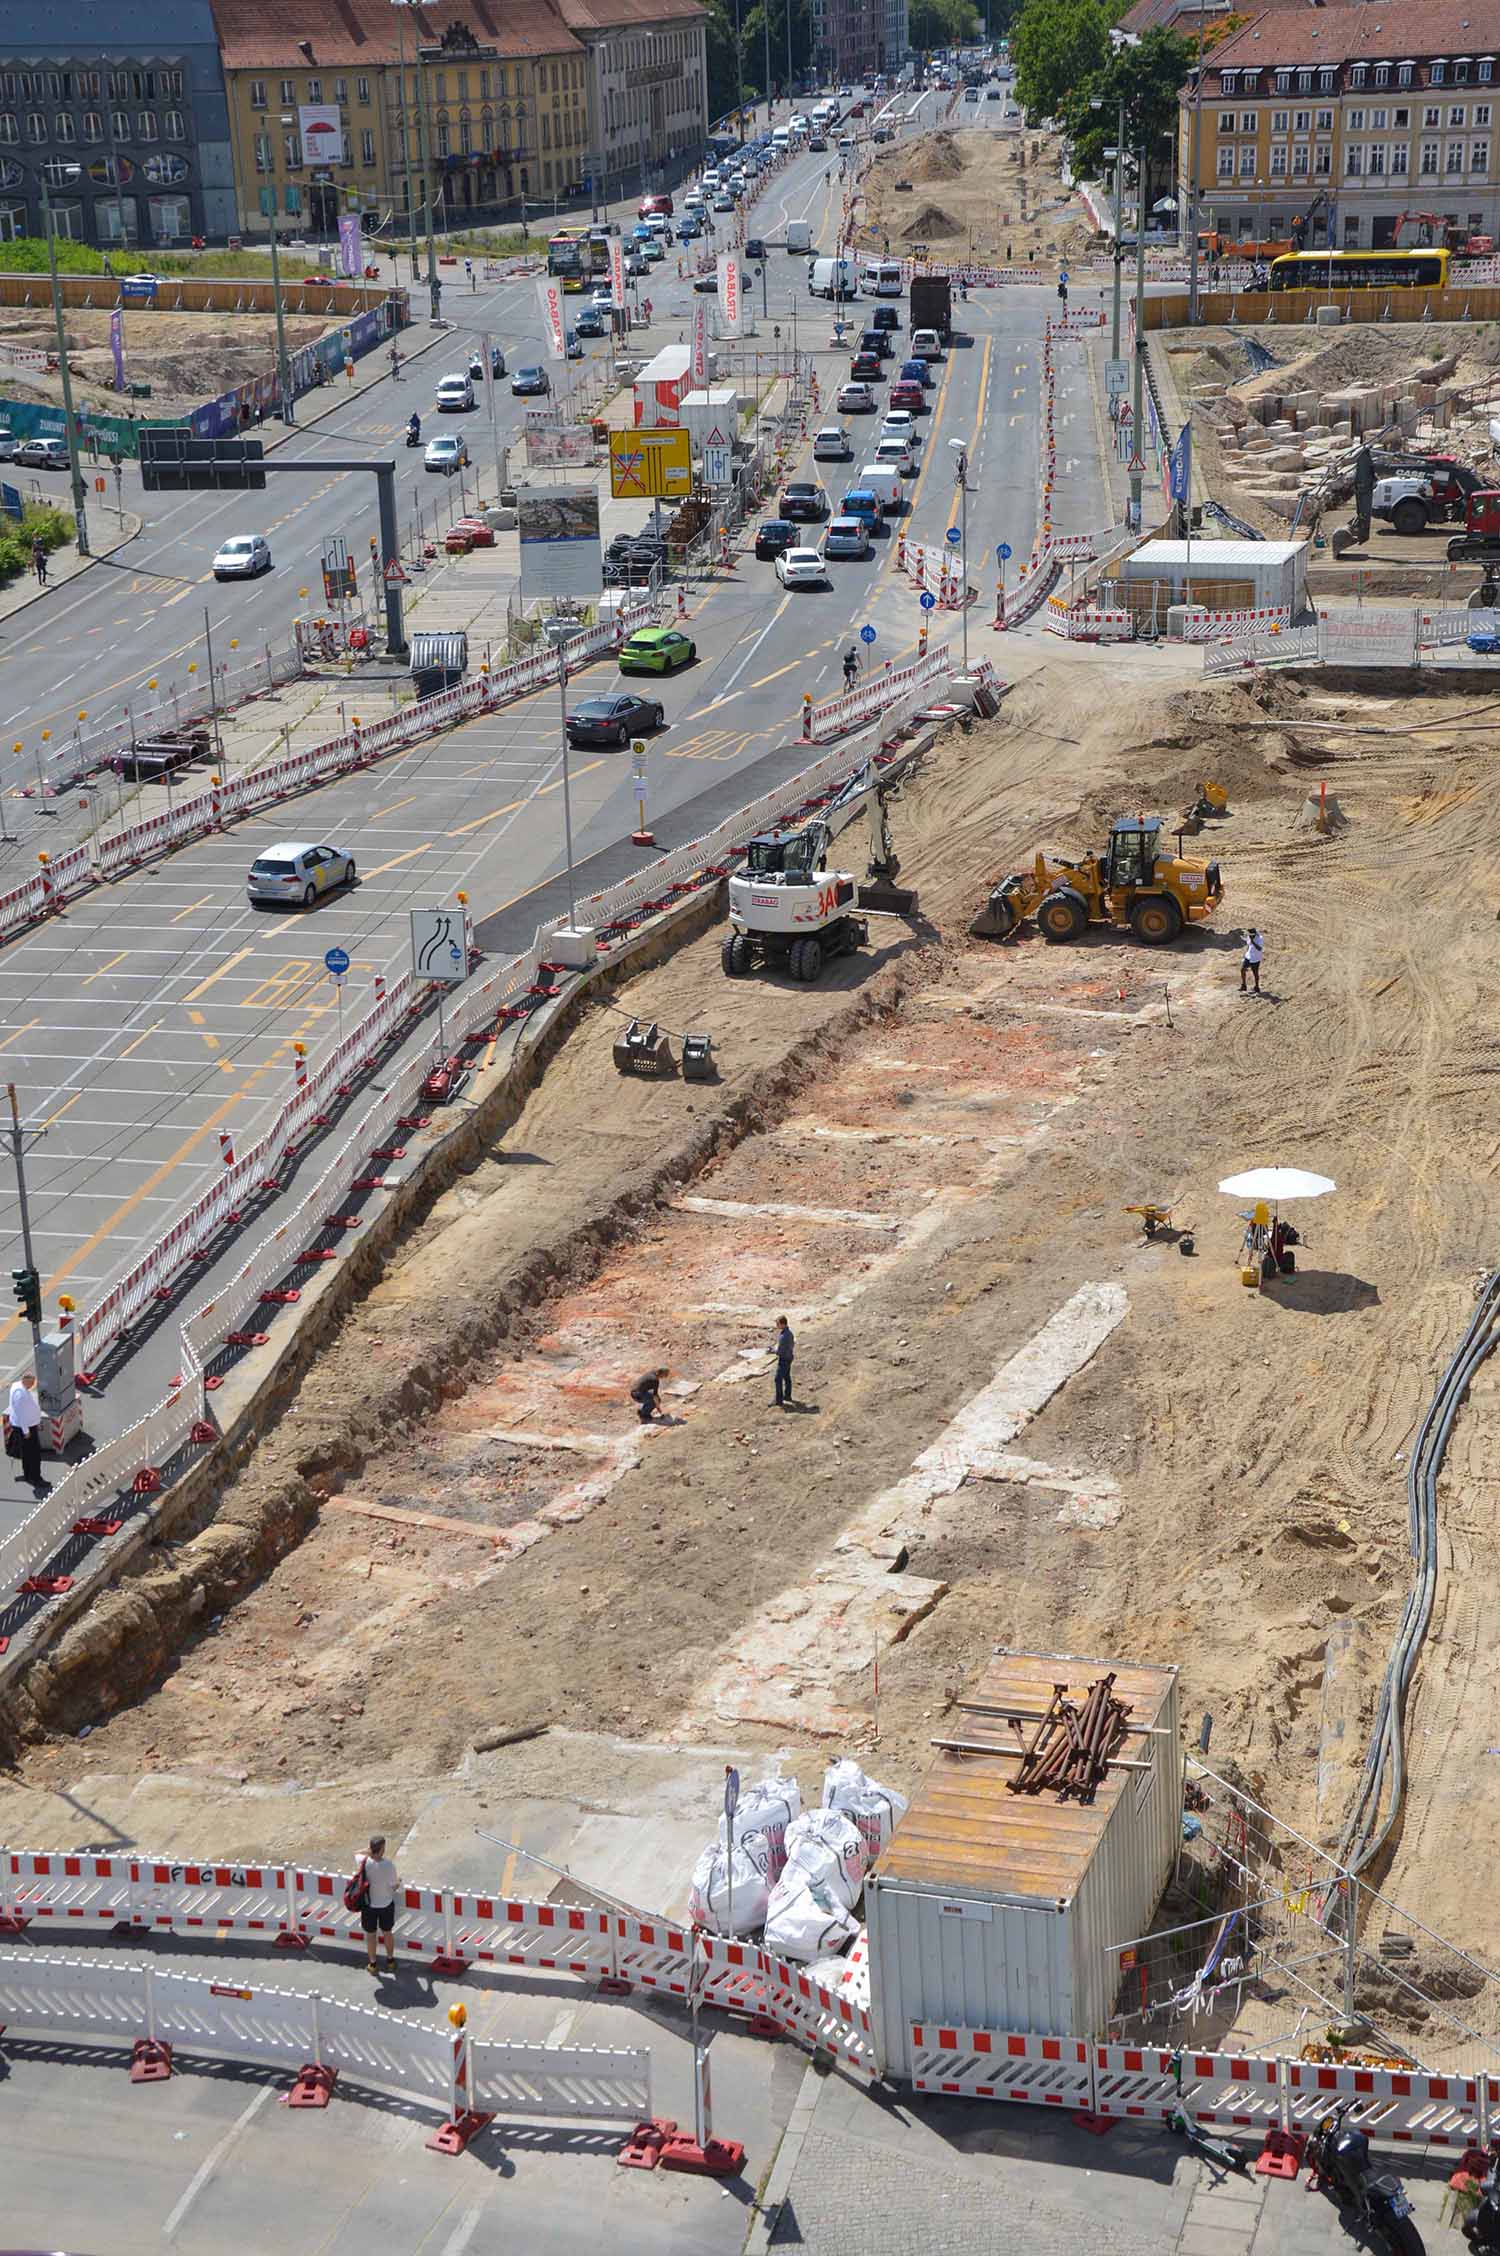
(243, 556)
(722, 202)
(831, 444)
(297, 872)
(7, 446)
(454, 393)
(896, 451)
(802, 567)
(926, 344)
(900, 423)
(447, 454)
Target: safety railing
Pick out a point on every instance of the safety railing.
(874, 697)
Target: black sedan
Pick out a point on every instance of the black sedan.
(865, 364)
(773, 536)
(589, 323)
(613, 720)
(807, 504)
(526, 382)
(755, 248)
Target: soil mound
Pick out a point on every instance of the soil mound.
(936, 158)
(930, 223)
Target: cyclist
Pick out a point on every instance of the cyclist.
(395, 358)
(851, 666)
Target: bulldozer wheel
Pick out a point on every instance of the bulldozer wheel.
(1157, 920)
(737, 955)
(806, 960)
(1062, 916)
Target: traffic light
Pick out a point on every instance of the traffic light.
(26, 1284)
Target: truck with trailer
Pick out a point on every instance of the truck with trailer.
(932, 305)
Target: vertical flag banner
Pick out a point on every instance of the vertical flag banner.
(117, 346)
(549, 296)
(617, 270)
(351, 247)
(700, 344)
(729, 293)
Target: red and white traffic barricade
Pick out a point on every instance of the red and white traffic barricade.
(987, 2064)
(1409, 2107)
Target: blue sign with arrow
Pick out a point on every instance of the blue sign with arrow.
(1004, 552)
(953, 535)
(927, 601)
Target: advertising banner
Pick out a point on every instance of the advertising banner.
(351, 247)
(550, 298)
(729, 293)
(617, 269)
(322, 133)
(546, 448)
(700, 344)
(559, 540)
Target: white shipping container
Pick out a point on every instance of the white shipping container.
(703, 414)
(1276, 570)
(1000, 1911)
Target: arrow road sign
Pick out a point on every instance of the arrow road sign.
(927, 600)
(437, 945)
(953, 536)
(1004, 552)
(867, 634)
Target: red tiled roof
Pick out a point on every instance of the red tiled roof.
(629, 15)
(354, 34)
(1371, 32)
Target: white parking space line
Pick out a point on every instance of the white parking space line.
(214, 2157)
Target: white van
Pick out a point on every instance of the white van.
(830, 278)
(884, 482)
(781, 138)
(881, 278)
(798, 236)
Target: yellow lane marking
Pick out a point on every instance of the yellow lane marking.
(214, 976)
(20, 1030)
(411, 856)
(62, 1108)
(190, 908)
(409, 800)
(128, 1206)
(198, 1018)
(103, 968)
(132, 1047)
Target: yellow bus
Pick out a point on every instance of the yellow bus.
(1361, 270)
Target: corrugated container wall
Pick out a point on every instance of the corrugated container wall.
(1275, 570)
(1005, 1959)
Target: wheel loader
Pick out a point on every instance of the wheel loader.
(1133, 882)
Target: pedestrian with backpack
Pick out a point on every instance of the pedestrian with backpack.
(372, 1893)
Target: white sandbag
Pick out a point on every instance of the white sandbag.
(715, 1881)
(764, 1812)
(837, 1833)
(805, 1922)
(874, 1809)
(813, 1864)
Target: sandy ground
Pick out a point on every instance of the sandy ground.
(943, 1163)
(982, 196)
(186, 358)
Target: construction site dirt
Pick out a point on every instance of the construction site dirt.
(925, 1163)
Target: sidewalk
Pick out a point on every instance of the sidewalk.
(107, 534)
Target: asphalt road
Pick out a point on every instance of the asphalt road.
(161, 1013)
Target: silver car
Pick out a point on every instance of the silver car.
(295, 874)
(242, 557)
(42, 454)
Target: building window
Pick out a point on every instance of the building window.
(10, 132)
(1302, 120)
(1283, 82)
(315, 90)
(1382, 74)
(367, 146)
(1227, 83)
(1226, 118)
(341, 91)
(1278, 164)
(143, 85)
(262, 152)
(1461, 71)
(1454, 159)
(36, 126)
(1322, 163)
(1401, 119)
(293, 198)
(465, 136)
(1247, 164)
(1486, 71)
(1398, 161)
(171, 218)
(63, 127)
(1432, 117)
(1354, 160)
(1403, 74)
(13, 222)
(1377, 120)
(288, 92)
(88, 86)
(1437, 74)
(257, 93)
(443, 148)
(1377, 160)
(1457, 115)
(1479, 157)
(1355, 122)
(173, 125)
(1248, 120)
(119, 125)
(1279, 121)
(362, 90)
(1357, 74)
(1299, 164)
(1326, 77)
(146, 125)
(291, 151)
(1429, 160)
(1325, 121)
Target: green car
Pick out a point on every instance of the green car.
(656, 650)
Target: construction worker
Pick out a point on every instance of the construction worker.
(646, 1394)
(1255, 948)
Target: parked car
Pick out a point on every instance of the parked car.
(775, 535)
(243, 557)
(454, 393)
(802, 567)
(613, 720)
(656, 650)
(528, 382)
(448, 453)
(855, 399)
(42, 454)
(297, 873)
(804, 502)
(832, 444)
(847, 536)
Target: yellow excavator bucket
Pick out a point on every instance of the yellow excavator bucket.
(1216, 795)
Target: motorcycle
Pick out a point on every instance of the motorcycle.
(1339, 2154)
(1481, 2228)
(414, 433)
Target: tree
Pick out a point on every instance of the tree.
(942, 23)
(1057, 47)
(1148, 79)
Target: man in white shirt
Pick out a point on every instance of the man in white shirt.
(378, 1912)
(1255, 948)
(26, 1421)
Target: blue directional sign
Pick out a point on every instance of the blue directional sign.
(1004, 552)
(337, 962)
(1063, 276)
(953, 536)
(927, 601)
(867, 634)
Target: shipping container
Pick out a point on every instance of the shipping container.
(1276, 570)
(995, 1910)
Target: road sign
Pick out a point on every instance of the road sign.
(867, 634)
(650, 464)
(437, 945)
(1004, 552)
(718, 465)
(1134, 466)
(1063, 276)
(395, 572)
(1116, 378)
(337, 961)
(927, 601)
(953, 536)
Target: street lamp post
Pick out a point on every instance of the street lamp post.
(411, 209)
(283, 364)
(434, 287)
(70, 172)
(961, 480)
(1140, 344)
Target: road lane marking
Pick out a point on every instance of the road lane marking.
(382, 867)
(62, 1108)
(750, 653)
(228, 965)
(214, 2157)
(410, 800)
(20, 1030)
(103, 968)
(181, 913)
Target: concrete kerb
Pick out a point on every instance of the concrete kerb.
(255, 1389)
(25, 597)
(769, 2200)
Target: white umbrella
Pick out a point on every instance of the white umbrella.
(1276, 1184)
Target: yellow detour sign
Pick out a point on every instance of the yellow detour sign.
(650, 465)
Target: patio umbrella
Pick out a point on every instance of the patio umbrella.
(1277, 1184)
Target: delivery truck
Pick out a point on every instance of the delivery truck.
(932, 305)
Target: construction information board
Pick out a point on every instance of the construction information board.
(650, 465)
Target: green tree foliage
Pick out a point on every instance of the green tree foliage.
(52, 526)
(1147, 78)
(752, 22)
(943, 23)
(1058, 47)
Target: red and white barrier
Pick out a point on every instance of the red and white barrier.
(1223, 626)
(983, 2064)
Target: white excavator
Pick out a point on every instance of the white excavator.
(789, 910)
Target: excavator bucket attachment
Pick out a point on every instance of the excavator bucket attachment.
(1000, 915)
(893, 900)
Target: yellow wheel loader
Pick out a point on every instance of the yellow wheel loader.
(1134, 881)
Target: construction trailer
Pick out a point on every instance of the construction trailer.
(994, 1909)
(1274, 573)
